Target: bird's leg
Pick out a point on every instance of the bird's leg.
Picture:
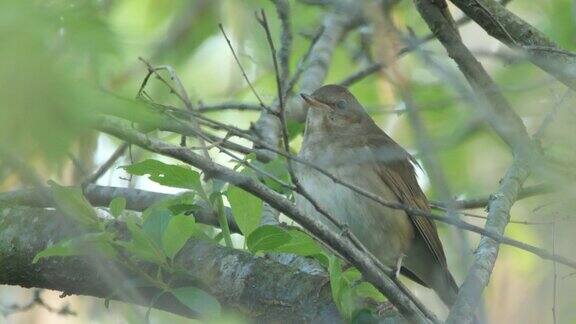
(399, 265)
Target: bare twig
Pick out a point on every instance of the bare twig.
(473, 203)
(229, 106)
(304, 61)
(180, 92)
(106, 165)
(262, 105)
(283, 11)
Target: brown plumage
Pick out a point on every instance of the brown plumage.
(342, 138)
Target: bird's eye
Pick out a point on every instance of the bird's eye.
(341, 104)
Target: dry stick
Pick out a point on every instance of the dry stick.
(372, 272)
(302, 191)
(229, 106)
(540, 189)
(303, 62)
(262, 105)
(283, 11)
(181, 93)
(106, 165)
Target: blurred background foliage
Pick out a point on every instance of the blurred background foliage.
(63, 62)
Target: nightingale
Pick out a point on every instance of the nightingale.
(341, 138)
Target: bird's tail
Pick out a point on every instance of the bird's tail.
(447, 289)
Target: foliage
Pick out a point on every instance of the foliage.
(165, 227)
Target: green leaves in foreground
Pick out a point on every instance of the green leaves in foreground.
(117, 206)
(246, 209)
(269, 238)
(86, 244)
(72, 203)
(156, 237)
(167, 174)
(348, 290)
(179, 230)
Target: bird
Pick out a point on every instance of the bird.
(342, 139)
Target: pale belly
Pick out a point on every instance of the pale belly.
(386, 232)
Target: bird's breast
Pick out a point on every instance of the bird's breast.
(386, 232)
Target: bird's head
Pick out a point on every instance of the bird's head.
(334, 110)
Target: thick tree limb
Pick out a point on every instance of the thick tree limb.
(518, 34)
(101, 196)
(259, 289)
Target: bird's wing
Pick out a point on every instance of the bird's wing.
(394, 168)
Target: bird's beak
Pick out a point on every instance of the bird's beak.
(314, 103)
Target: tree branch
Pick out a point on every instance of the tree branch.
(511, 30)
(485, 255)
(258, 289)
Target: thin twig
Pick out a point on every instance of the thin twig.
(229, 106)
(262, 105)
(106, 165)
(180, 92)
(303, 61)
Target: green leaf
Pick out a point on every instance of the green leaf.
(117, 206)
(64, 248)
(294, 129)
(155, 223)
(82, 245)
(167, 174)
(246, 209)
(279, 169)
(73, 204)
(300, 243)
(267, 238)
(179, 230)
(335, 271)
(366, 290)
(352, 275)
(142, 245)
(198, 301)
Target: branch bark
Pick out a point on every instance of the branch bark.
(258, 289)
